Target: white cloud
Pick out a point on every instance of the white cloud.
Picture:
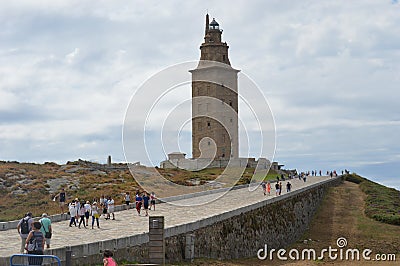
(71, 56)
(330, 72)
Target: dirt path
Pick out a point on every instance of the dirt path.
(337, 217)
(342, 215)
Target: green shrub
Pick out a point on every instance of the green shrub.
(353, 178)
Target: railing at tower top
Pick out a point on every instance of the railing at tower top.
(25, 260)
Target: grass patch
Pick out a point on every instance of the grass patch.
(382, 203)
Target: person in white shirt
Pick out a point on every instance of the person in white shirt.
(88, 209)
(73, 212)
(81, 214)
(77, 204)
(110, 209)
(95, 214)
(127, 199)
(103, 205)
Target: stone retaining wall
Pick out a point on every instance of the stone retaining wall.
(243, 232)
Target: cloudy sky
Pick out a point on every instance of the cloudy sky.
(329, 69)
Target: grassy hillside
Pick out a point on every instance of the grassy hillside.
(382, 203)
(31, 187)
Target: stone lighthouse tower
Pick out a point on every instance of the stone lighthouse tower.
(214, 99)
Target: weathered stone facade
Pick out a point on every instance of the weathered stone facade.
(214, 99)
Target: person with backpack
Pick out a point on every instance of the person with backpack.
(35, 244)
(24, 227)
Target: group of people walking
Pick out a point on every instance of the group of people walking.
(266, 187)
(34, 236)
(80, 211)
(145, 200)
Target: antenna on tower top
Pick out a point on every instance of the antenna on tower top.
(207, 23)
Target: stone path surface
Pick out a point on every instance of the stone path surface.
(128, 223)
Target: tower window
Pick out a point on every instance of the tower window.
(209, 124)
(223, 58)
(230, 103)
(209, 143)
(231, 120)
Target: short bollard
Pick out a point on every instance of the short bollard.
(156, 240)
(68, 257)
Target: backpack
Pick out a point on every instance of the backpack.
(25, 226)
(35, 243)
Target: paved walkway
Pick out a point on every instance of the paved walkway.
(128, 223)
